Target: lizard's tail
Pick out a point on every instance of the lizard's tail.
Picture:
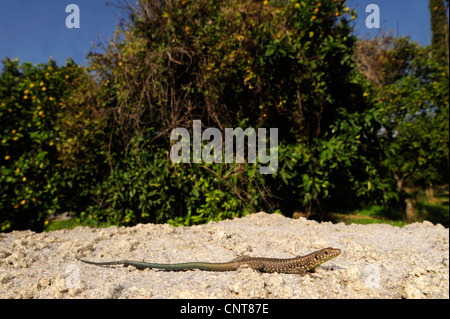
(228, 266)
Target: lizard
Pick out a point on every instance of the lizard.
(297, 265)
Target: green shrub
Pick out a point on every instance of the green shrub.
(148, 187)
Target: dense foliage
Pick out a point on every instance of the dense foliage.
(95, 141)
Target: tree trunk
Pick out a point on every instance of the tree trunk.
(430, 194)
(410, 211)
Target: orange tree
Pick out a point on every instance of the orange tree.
(31, 182)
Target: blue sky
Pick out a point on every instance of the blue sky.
(403, 17)
(34, 30)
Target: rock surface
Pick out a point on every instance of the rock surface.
(377, 260)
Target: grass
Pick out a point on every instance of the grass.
(71, 224)
(369, 215)
(435, 211)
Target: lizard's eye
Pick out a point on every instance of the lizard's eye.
(326, 252)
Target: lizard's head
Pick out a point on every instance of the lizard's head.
(319, 257)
